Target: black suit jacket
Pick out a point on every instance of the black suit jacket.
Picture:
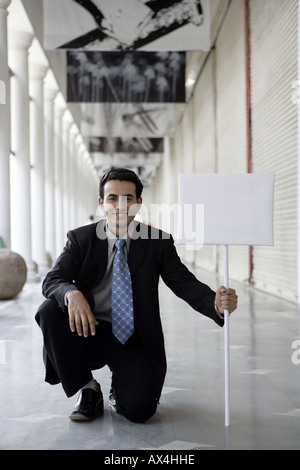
(152, 255)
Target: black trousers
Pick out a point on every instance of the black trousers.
(70, 358)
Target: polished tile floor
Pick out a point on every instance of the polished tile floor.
(264, 379)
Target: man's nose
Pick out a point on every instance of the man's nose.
(122, 203)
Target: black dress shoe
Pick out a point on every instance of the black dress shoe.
(89, 405)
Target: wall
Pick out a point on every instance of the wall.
(274, 62)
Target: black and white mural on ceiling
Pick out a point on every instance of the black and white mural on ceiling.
(155, 25)
(126, 145)
(125, 134)
(126, 77)
(145, 153)
(125, 71)
(149, 120)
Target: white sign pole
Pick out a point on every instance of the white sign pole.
(226, 342)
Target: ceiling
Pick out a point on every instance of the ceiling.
(130, 70)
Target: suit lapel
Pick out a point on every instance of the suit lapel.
(137, 252)
(100, 248)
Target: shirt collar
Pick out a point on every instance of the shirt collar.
(111, 238)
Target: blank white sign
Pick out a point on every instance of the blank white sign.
(233, 209)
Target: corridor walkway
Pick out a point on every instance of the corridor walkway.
(265, 383)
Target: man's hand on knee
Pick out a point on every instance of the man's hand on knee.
(81, 318)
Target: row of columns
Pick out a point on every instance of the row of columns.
(47, 181)
(4, 126)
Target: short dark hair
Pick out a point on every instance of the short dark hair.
(121, 174)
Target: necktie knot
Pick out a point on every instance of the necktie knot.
(120, 243)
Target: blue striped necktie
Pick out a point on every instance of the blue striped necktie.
(121, 296)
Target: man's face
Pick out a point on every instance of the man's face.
(120, 205)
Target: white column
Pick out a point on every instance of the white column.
(49, 94)
(87, 182)
(37, 74)
(167, 168)
(76, 183)
(82, 189)
(81, 195)
(4, 128)
(92, 200)
(19, 43)
(90, 196)
(67, 124)
(298, 95)
(73, 134)
(60, 235)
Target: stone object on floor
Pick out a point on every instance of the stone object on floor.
(13, 274)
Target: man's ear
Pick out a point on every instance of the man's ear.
(139, 204)
(101, 206)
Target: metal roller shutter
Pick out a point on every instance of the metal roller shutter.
(204, 144)
(274, 59)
